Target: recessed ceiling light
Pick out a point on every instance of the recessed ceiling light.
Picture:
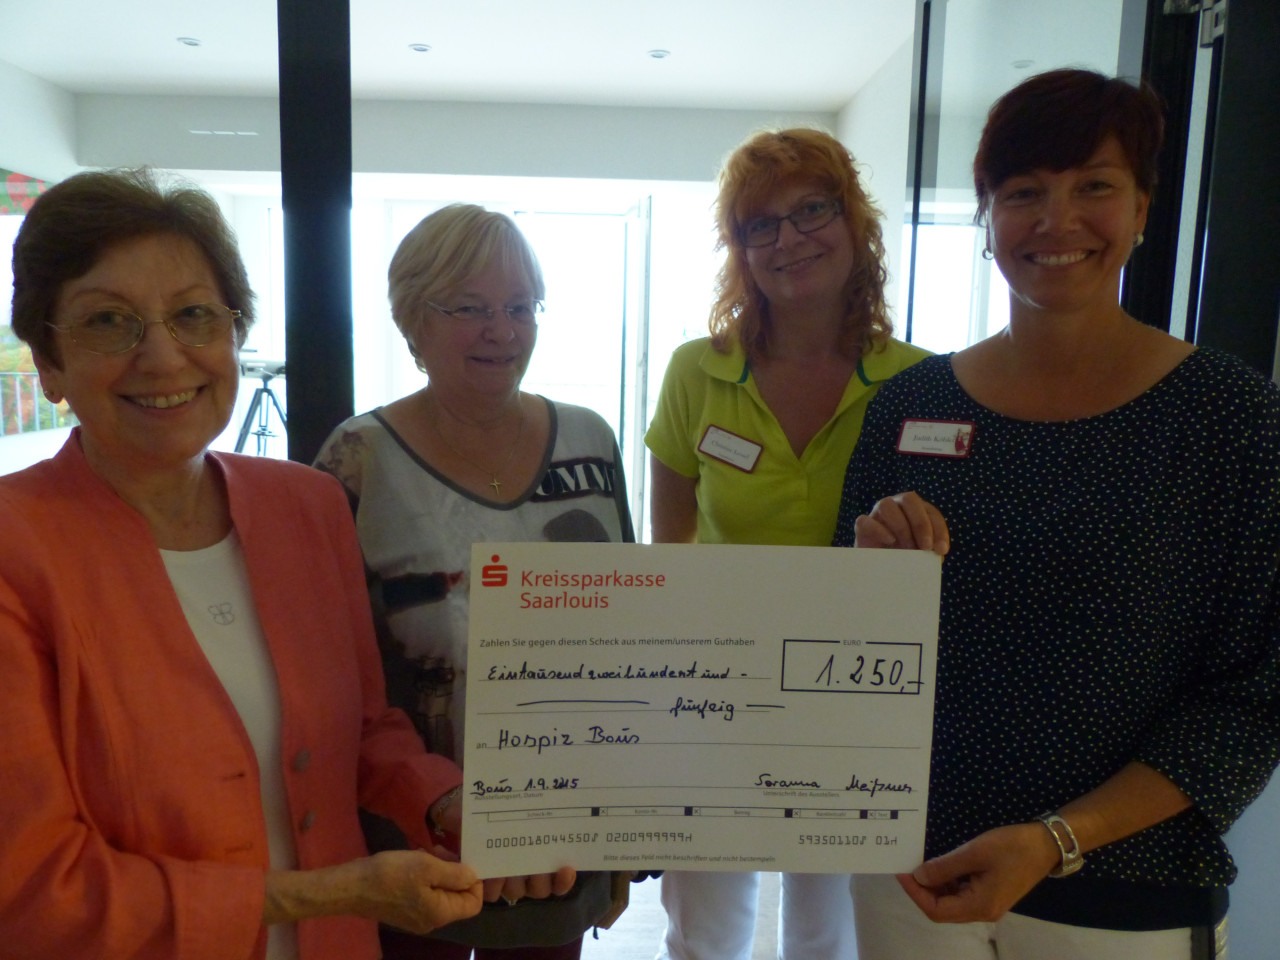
(189, 41)
(419, 47)
(1023, 64)
(659, 54)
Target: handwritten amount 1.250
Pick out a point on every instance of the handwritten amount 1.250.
(830, 666)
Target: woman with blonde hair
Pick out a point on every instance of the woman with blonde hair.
(469, 458)
(800, 342)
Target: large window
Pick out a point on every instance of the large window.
(966, 298)
(629, 268)
(31, 428)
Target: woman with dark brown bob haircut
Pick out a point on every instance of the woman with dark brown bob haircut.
(191, 699)
(1108, 696)
(95, 210)
(800, 342)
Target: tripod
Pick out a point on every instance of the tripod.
(260, 411)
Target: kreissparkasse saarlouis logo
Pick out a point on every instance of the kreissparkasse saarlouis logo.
(494, 574)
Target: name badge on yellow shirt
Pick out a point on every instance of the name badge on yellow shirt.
(936, 438)
(719, 444)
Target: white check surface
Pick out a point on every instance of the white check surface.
(698, 707)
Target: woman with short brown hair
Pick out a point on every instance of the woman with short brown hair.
(1109, 641)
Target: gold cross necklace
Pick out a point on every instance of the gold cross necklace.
(515, 445)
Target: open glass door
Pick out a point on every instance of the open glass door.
(969, 53)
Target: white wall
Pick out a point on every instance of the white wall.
(540, 140)
(115, 130)
(874, 126)
(958, 136)
(38, 120)
(492, 139)
(1253, 926)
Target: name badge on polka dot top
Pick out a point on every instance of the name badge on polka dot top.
(719, 444)
(936, 438)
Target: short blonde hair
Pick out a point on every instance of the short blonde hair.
(765, 162)
(449, 247)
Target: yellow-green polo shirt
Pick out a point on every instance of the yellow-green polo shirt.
(783, 499)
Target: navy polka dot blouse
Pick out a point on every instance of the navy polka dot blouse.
(1110, 595)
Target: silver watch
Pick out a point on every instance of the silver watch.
(1068, 845)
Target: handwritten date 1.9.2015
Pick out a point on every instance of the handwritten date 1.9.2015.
(481, 789)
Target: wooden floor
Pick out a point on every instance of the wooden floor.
(638, 932)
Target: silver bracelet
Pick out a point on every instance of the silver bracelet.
(1072, 857)
(440, 806)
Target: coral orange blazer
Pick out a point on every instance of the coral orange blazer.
(130, 816)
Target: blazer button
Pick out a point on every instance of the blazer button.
(308, 819)
(301, 760)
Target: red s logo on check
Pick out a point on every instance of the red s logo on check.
(494, 574)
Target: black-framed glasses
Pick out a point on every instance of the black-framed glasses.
(109, 331)
(521, 311)
(809, 216)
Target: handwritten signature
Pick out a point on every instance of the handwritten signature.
(875, 784)
(764, 780)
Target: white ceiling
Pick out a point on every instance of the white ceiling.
(807, 55)
(762, 54)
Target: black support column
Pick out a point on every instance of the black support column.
(1168, 62)
(315, 168)
(1240, 284)
(923, 133)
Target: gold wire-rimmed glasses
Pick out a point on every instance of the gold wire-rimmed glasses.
(109, 331)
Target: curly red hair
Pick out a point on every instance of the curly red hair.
(753, 172)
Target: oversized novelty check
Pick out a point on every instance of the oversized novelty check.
(698, 707)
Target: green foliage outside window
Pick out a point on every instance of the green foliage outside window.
(23, 407)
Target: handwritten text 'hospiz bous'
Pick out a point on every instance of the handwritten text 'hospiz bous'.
(540, 742)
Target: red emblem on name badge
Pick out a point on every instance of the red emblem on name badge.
(936, 438)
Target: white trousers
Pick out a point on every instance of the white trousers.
(712, 916)
(892, 927)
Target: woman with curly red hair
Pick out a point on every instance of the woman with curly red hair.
(753, 430)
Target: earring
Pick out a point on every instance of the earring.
(987, 254)
(1138, 240)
